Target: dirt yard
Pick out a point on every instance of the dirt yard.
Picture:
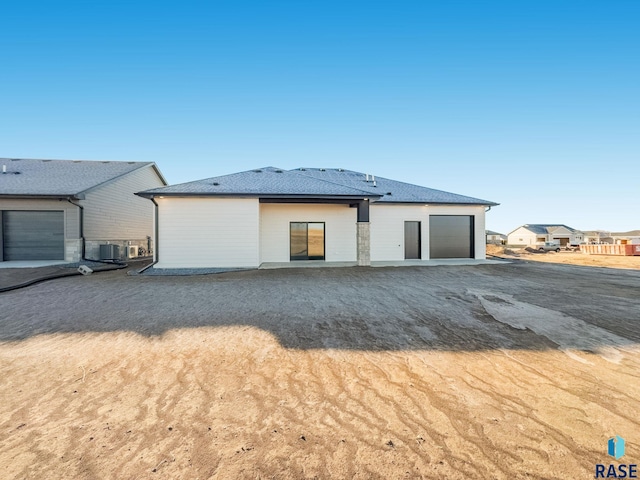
(566, 257)
(522, 370)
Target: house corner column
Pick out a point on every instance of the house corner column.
(364, 244)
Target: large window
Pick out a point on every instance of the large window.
(306, 241)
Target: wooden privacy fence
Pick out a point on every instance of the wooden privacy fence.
(609, 249)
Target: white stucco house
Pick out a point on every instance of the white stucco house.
(271, 215)
(533, 233)
(495, 238)
(66, 209)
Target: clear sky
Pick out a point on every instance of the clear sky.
(532, 104)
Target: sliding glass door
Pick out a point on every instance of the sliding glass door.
(306, 240)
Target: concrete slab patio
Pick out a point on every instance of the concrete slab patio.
(402, 263)
(30, 263)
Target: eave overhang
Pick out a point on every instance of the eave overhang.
(62, 196)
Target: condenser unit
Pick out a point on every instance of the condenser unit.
(109, 252)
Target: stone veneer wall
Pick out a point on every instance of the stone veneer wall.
(364, 244)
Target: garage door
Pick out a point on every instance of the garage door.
(451, 236)
(31, 235)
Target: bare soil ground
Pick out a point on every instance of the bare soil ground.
(491, 371)
(566, 257)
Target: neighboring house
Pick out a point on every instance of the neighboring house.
(530, 234)
(621, 238)
(597, 236)
(65, 209)
(270, 215)
(495, 238)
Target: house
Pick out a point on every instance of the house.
(271, 215)
(495, 238)
(65, 209)
(597, 236)
(530, 234)
(620, 238)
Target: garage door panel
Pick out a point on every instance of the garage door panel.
(33, 235)
(451, 236)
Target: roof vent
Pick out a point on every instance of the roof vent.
(4, 171)
(278, 171)
(341, 169)
(77, 161)
(389, 193)
(215, 184)
(15, 159)
(131, 163)
(46, 160)
(106, 162)
(321, 169)
(302, 169)
(258, 171)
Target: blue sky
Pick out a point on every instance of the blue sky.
(532, 104)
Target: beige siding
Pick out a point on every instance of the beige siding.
(208, 232)
(71, 212)
(340, 230)
(113, 212)
(387, 228)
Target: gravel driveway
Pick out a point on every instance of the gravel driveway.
(515, 305)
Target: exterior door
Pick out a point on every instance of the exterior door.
(451, 236)
(306, 241)
(412, 240)
(32, 235)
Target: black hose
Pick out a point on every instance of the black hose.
(117, 266)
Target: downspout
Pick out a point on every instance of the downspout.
(81, 226)
(156, 253)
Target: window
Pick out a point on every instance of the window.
(306, 240)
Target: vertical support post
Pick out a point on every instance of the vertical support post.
(364, 234)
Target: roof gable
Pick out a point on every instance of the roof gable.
(546, 228)
(32, 177)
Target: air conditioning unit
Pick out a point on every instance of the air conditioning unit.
(109, 252)
(132, 251)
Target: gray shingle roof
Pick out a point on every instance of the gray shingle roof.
(261, 182)
(314, 182)
(545, 228)
(31, 177)
(392, 191)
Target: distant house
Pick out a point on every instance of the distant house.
(531, 234)
(495, 238)
(271, 215)
(65, 209)
(620, 238)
